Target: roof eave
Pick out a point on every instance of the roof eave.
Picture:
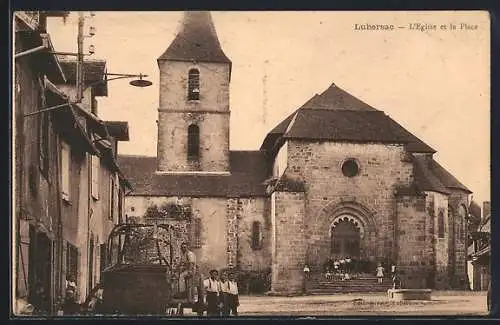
(463, 189)
(46, 39)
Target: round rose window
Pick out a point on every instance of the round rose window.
(350, 168)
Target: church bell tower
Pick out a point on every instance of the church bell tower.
(193, 115)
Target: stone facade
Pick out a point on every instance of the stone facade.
(288, 242)
(210, 113)
(397, 201)
(368, 197)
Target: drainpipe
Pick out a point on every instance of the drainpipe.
(20, 186)
(395, 223)
(60, 240)
(89, 216)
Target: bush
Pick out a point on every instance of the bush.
(252, 282)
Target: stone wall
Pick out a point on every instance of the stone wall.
(216, 218)
(254, 210)
(210, 113)
(437, 203)
(289, 244)
(173, 141)
(369, 195)
(415, 237)
(458, 203)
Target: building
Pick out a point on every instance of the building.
(335, 178)
(98, 186)
(479, 258)
(54, 140)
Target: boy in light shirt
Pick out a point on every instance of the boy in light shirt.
(212, 293)
(232, 300)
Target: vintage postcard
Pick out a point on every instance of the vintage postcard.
(223, 164)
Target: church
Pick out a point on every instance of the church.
(336, 178)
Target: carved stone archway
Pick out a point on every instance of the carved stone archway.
(346, 233)
(321, 225)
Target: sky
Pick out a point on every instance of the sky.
(434, 82)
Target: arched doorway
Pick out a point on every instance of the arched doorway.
(345, 238)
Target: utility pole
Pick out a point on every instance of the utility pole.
(80, 56)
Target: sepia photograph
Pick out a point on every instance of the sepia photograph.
(250, 163)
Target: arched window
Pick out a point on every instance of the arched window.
(256, 235)
(193, 142)
(194, 84)
(441, 224)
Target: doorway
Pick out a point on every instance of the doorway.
(346, 239)
(40, 270)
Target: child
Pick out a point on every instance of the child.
(380, 273)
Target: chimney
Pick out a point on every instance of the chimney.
(486, 209)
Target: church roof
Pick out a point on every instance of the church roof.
(431, 176)
(196, 40)
(336, 115)
(249, 170)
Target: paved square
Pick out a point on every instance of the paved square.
(443, 303)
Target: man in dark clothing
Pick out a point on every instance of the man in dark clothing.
(70, 306)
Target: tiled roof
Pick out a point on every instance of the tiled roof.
(248, 173)
(93, 72)
(425, 180)
(446, 178)
(338, 116)
(430, 176)
(196, 40)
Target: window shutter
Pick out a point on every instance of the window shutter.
(112, 200)
(65, 170)
(95, 177)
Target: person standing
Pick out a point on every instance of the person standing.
(347, 268)
(188, 269)
(224, 294)
(233, 301)
(380, 273)
(307, 271)
(212, 290)
(393, 270)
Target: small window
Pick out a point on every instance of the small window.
(350, 168)
(194, 84)
(256, 235)
(95, 176)
(193, 142)
(65, 170)
(441, 224)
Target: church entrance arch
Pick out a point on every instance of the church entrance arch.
(346, 233)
